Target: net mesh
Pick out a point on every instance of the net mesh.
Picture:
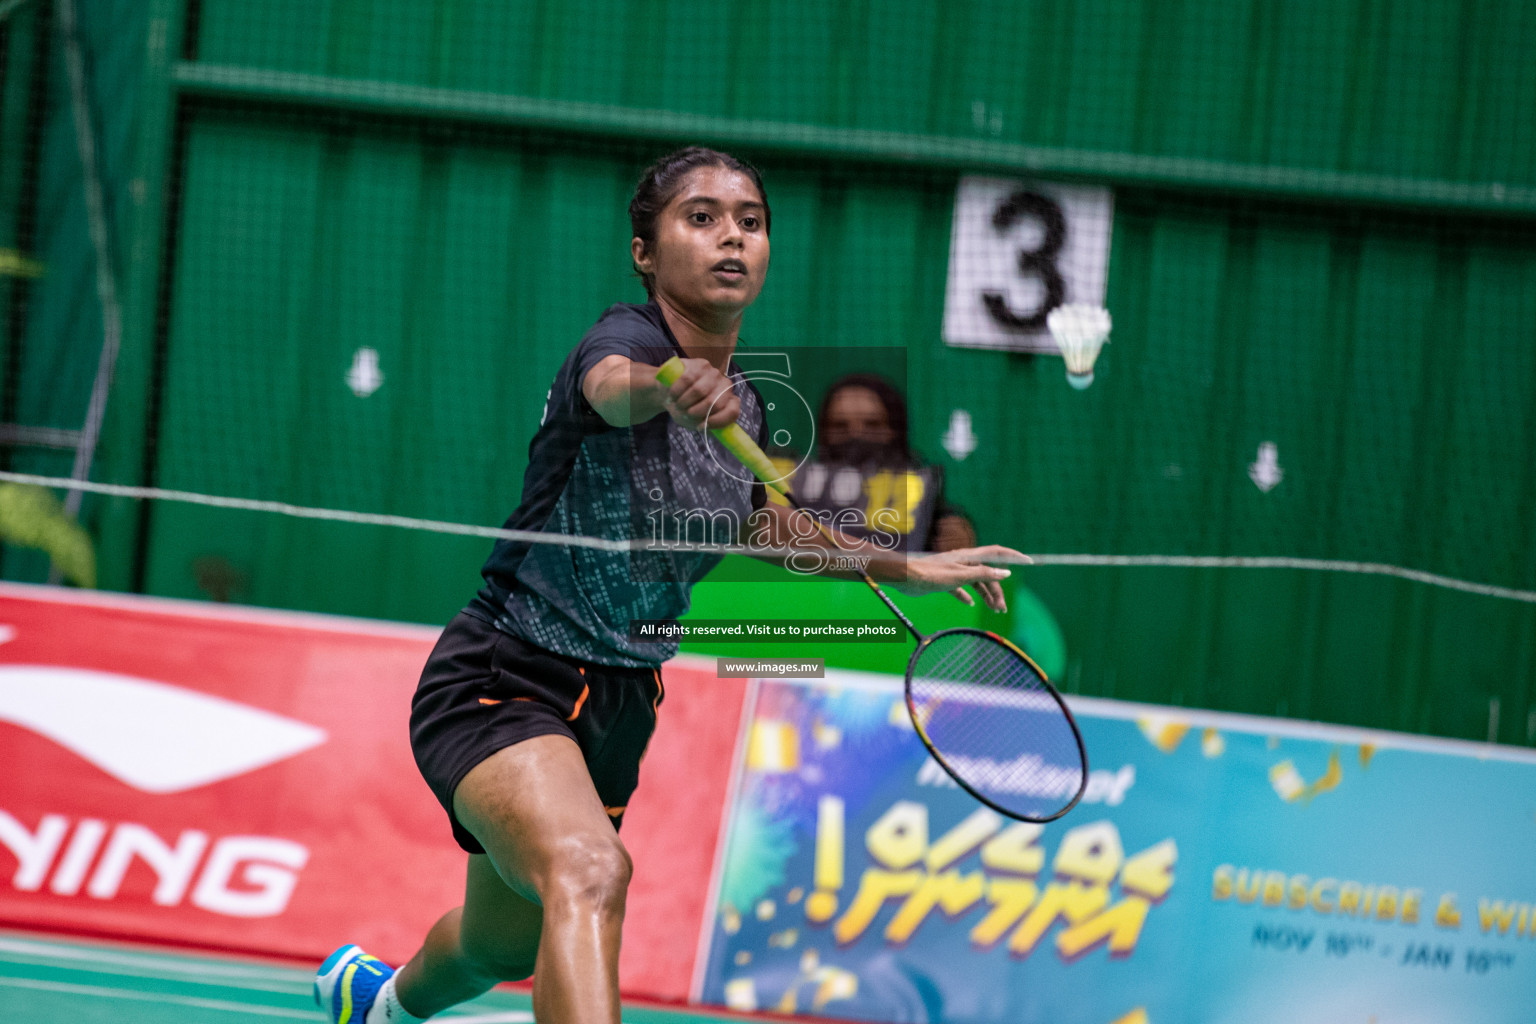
(995, 724)
(352, 248)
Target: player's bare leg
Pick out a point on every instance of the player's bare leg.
(558, 862)
(493, 937)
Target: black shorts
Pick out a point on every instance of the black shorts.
(483, 690)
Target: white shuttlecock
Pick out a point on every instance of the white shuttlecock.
(1080, 331)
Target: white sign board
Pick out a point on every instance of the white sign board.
(1019, 249)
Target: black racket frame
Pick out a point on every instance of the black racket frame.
(922, 733)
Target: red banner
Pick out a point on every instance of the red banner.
(243, 780)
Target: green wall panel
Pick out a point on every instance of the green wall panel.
(1390, 356)
(472, 261)
(1420, 89)
(298, 248)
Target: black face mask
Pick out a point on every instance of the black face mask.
(863, 453)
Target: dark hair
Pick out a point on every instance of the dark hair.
(890, 397)
(662, 181)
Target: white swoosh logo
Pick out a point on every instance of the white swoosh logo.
(153, 736)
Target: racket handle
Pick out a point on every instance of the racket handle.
(732, 436)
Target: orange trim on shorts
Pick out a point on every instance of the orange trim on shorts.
(660, 692)
(614, 812)
(579, 702)
(488, 700)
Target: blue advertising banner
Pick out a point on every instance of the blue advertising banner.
(1221, 868)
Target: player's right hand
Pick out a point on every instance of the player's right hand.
(702, 397)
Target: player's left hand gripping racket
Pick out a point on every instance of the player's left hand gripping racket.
(984, 710)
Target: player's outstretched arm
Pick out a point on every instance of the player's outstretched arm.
(778, 526)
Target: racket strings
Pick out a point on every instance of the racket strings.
(996, 725)
(967, 658)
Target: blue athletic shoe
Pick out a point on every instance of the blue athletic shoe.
(346, 984)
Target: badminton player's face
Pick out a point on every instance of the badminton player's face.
(711, 250)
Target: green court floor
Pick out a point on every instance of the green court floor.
(45, 981)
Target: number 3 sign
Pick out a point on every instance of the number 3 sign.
(1017, 251)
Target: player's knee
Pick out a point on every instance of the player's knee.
(590, 874)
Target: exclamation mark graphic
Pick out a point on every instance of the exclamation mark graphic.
(822, 904)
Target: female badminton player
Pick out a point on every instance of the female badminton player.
(535, 707)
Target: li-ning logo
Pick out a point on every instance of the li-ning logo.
(156, 738)
(152, 736)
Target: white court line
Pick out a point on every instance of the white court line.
(106, 992)
(296, 980)
(293, 988)
(158, 997)
(208, 973)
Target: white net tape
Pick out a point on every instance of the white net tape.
(540, 537)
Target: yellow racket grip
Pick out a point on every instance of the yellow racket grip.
(732, 436)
